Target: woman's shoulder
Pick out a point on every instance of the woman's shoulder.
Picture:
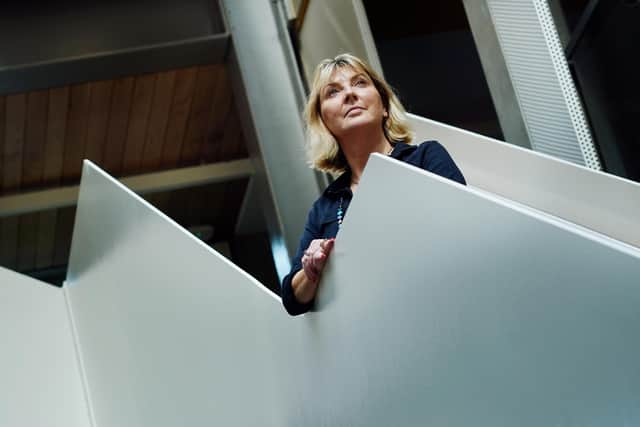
(427, 149)
(433, 157)
(431, 146)
(432, 150)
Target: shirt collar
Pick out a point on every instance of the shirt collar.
(341, 184)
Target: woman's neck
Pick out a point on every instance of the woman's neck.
(358, 149)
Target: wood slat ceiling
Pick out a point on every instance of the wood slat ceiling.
(127, 126)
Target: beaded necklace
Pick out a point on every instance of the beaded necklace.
(340, 213)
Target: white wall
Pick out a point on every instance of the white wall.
(441, 305)
(40, 383)
(598, 201)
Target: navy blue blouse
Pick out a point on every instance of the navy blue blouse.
(322, 222)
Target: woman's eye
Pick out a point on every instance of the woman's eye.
(361, 82)
(330, 92)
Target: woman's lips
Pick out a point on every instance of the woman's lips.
(353, 109)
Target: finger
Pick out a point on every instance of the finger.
(327, 245)
(318, 261)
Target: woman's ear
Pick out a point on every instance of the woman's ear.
(385, 114)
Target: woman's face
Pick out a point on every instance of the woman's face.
(350, 101)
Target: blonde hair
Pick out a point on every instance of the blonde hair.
(323, 151)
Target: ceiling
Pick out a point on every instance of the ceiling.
(127, 126)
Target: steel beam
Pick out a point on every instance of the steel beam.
(270, 96)
(496, 73)
(175, 179)
(105, 66)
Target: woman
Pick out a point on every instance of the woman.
(351, 113)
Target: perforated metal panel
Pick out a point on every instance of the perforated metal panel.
(547, 96)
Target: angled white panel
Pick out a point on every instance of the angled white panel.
(40, 383)
(169, 331)
(456, 309)
(598, 201)
(463, 312)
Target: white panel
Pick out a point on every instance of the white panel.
(461, 312)
(601, 202)
(170, 331)
(450, 308)
(538, 68)
(40, 383)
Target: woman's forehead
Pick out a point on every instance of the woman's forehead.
(339, 72)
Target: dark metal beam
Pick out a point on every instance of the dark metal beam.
(110, 65)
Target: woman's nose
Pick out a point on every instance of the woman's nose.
(350, 94)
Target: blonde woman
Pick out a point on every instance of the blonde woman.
(351, 112)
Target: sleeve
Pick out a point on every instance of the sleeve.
(311, 232)
(436, 159)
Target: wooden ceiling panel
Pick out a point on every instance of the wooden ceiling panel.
(35, 136)
(219, 119)
(158, 119)
(201, 107)
(2, 123)
(138, 121)
(100, 94)
(15, 114)
(76, 133)
(58, 109)
(57, 115)
(178, 116)
(15, 111)
(32, 174)
(118, 124)
(128, 126)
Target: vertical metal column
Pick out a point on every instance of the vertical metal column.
(496, 73)
(270, 97)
